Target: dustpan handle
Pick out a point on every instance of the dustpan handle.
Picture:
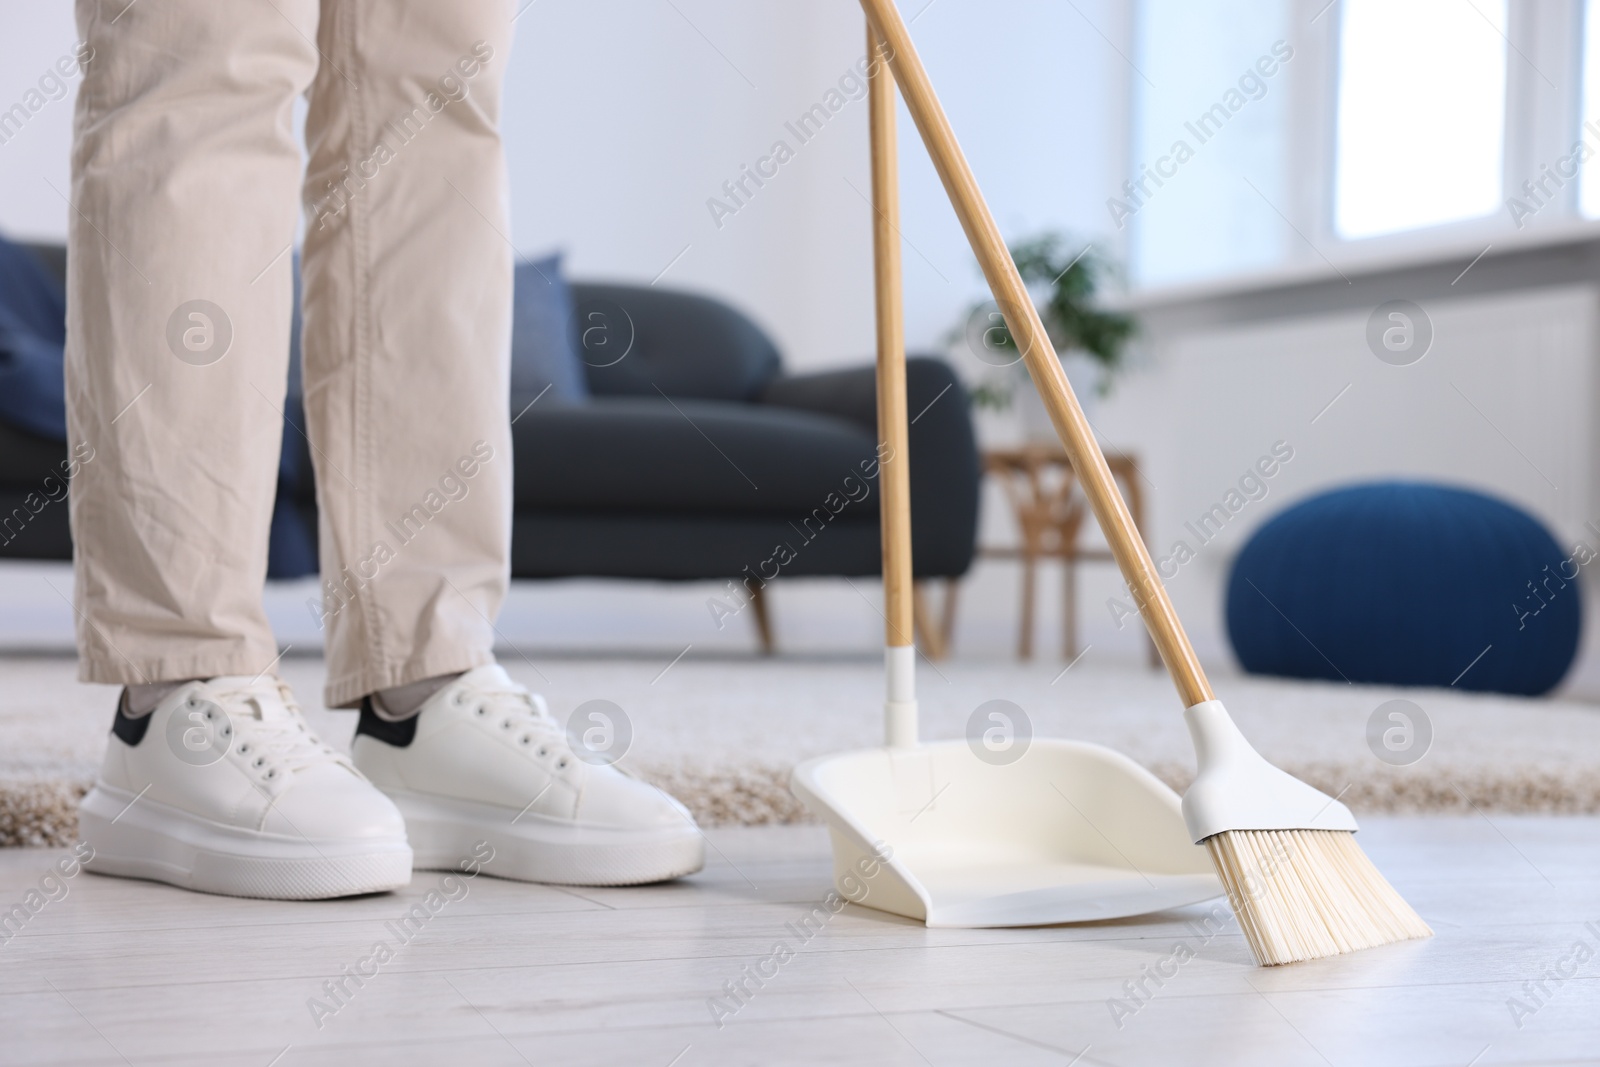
(1045, 368)
(894, 452)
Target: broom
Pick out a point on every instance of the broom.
(1285, 852)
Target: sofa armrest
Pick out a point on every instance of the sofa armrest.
(945, 468)
(932, 392)
(848, 394)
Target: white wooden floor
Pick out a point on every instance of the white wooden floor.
(125, 972)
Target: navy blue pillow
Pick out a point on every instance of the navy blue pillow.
(544, 359)
(292, 547)
(33, 329)
(1403, 583)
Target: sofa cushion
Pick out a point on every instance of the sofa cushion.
(654, 455)
(944, 453)
(32, 331)
(543, 360)
(635, 339)
(32, 525)
(622, 544)
(26, 459)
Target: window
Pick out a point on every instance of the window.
(1589, 184)
(1386, 127)
(1208, 161)
(1421, 114)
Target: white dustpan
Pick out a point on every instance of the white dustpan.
(1071, 832)
(1067, 832)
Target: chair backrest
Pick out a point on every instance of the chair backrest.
(635, 340)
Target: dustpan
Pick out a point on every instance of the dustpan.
(1070, 832)
(969, 833)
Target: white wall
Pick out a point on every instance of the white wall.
(32, 38)
(624, 116)
(1503, 403)
(616, 147)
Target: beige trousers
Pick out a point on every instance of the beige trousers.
(187, 199)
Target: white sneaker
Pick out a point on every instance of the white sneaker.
(484, 761)
(223, 788)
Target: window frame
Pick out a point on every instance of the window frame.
(1543, 116)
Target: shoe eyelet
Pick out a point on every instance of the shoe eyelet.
(523, 739)
(272, 773)
(244, 749)
(210, 714)
(258, 762)
(543, 751)
(561, 764)
(478, 711)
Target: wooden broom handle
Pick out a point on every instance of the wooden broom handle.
(1043, 365)
(894, 471)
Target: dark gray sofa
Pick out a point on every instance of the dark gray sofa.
(696, 458)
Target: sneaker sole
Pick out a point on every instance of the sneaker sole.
(165, 844)
(449, 834)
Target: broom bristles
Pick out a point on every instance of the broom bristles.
(1305, 894)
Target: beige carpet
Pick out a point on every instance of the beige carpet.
(722, 734)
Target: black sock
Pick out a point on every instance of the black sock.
(136, 704)
(129, 729)
(391, 732)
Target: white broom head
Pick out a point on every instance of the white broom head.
(1286, 853)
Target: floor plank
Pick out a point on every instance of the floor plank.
(119, 972)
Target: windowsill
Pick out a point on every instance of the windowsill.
(1371, 259)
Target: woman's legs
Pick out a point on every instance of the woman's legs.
(186, 167)
(407, 337)
(185, 172)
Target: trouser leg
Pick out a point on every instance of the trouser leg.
(184, 180)
(407, 335)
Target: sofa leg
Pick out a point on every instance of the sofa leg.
(947, 620)
(934, 630)
(758, 604)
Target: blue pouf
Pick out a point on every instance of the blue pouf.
(1403, 583)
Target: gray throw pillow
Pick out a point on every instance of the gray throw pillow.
(544, 359)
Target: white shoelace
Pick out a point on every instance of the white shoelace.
(518, 710)
(270, 731)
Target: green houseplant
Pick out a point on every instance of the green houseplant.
(1064, 281)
